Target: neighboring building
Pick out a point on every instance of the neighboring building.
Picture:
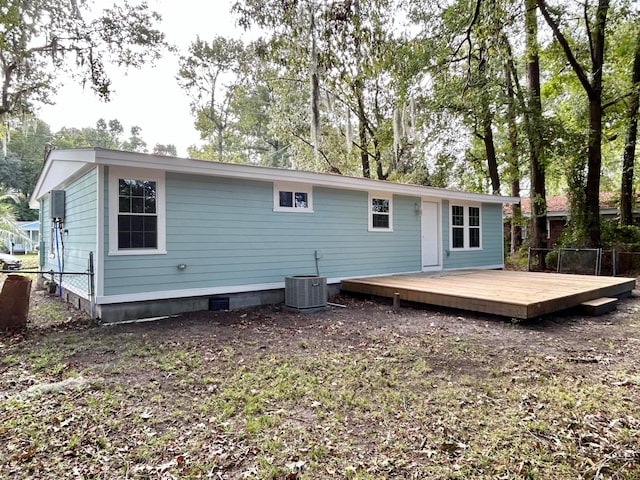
(173, 234)
(558, 213)
(32, 230)
(18, 245)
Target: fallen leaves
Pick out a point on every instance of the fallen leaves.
(422, 395)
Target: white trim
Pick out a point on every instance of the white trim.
(98, 259)
(201, 167)
(293, 188)
(433, 268)
(466, 227)
(193, 292)
(379, 196)
(438, 204)
(116, 173)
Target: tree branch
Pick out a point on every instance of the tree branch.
(634, 90)
(332, 168)
(588, 27)
(577, 68)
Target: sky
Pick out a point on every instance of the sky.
(150, 97)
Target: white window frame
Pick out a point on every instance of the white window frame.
(380, 196)
(466, 226)
(158, 176)
(293, 188)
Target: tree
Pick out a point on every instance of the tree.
(202, 74)
(626, 190)
(336, 62)
(104, 135)
(9, 229)
(38, 40)
(534, 122)
(135, 143)
(23, 162)
(591, 82)
(168, 150)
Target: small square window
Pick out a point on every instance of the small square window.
(301, 200)
(286, 199)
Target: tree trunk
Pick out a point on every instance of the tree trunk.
(512, 160)
(593, 88)
(362, 131)
(592, 193)
(490, 149)
(629, 156)
(592, 190)
(538, 175)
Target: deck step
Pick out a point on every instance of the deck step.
(599, 306)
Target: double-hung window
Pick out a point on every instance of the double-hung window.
(136, 212)
(466, 227)
(380, 212)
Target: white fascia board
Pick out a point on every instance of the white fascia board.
(62, 165)
(253, 172)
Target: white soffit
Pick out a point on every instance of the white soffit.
(68, 158)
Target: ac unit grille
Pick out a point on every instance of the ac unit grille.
(305, 291)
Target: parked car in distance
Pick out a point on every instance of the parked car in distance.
(9, 262)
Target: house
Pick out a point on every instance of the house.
(558, 213)
(26, 241)
(170, 235)
(32, 231)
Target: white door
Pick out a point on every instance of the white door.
(430, 235)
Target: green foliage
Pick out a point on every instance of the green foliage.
(104, 134)
(366, 117)
(620, 237)
(38, 40)
(169, 150)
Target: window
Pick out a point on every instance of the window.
(474, 227)
(457, 226)
(289, 197)
(136, 212)
(465, 227)
(380, 213)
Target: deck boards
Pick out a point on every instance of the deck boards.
(500, 292)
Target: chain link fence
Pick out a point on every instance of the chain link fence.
(584, 261)
(76, 288)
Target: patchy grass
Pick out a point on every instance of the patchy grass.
(355, 393)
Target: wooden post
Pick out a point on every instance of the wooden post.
(396, 302)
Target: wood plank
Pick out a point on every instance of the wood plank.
(599, 306)
(500, 292)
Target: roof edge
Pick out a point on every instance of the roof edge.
(103, 156)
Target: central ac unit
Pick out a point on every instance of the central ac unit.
(305, 291)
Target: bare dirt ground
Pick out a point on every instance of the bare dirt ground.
(355, 391)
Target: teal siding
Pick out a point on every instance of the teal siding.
(79, 222)
(491, 252)
(227, 234)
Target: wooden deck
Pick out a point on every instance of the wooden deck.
(512, 294)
